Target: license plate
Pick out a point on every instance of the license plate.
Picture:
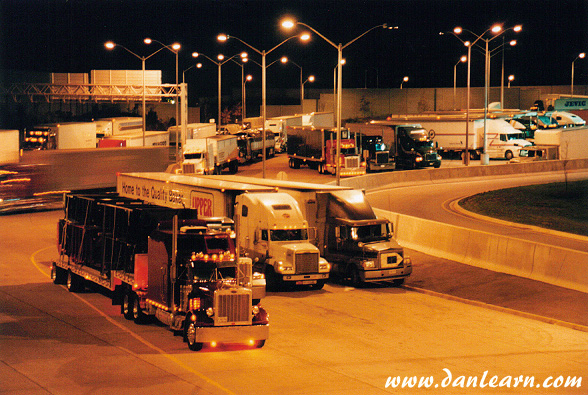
(306, 282)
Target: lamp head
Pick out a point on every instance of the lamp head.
(222, 37)
(109, 45)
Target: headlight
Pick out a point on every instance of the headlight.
(368, 264)
(255, 310)
(419, 159)
(210, 311)
(282, 268)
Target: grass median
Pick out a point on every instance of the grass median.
(561, 206)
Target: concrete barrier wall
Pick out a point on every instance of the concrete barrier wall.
(377, 180)
(550, 264)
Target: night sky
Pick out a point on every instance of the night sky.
(68, 36)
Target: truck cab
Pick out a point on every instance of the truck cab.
(415, 149)
(358, 245)
(275, 235)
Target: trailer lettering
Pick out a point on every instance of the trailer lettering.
(128, 189)
(176, 196)
(575, 103)
(158, 194)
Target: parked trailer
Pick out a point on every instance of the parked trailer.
(317, 148)
(109, 127)
(159, 262)
(358, 245)
(270, 226)
(251, 145)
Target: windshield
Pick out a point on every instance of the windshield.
(193, 156)
(288, 234)
(368, 232)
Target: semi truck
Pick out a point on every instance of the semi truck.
(251, 145)
(359, 246)
(161, 263)
(448, 134)
(193, 131)
(270, 226)
(317, 148)
(211, 155)
(389, 146)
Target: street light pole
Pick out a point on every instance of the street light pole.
(461, 60)
(110, 46)
(498, 31)
(264, 53)
(339, 47)
(580, 56)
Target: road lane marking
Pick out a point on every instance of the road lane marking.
(134, 335)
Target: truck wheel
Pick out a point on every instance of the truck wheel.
(321, 168)
(58, 275)
(138, 315)
(508, 155)
(398, 283)
(353, 276)
(190, 336)
(319, 285)
(126, 308)
(74, 282)
(260, 344)
(234, 167)
(294, 164)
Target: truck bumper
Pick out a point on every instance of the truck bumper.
(385, 274)
(305, 279)
(382, 166)
(232, 334)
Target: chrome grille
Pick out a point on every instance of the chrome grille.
(352, 161)
(188, 168)
(381, 157)
(307, 262)
(429, 157)
(232, 308)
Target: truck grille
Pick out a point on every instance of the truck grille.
(188, 168)
(352, 161)
(232, 308)
(391, 260)
(430, 157)
(307, 262)
(381, 157)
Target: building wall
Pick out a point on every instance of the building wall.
(359, 103)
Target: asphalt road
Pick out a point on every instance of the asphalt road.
(340, 340)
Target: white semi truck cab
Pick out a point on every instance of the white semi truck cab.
(273, 232)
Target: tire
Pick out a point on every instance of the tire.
(234, 167)
(58, 275)
(352, 275)
(319, 285)
(138, 315)
(126, 307)
(74, 283)
(321, 168)
(398, 283)
(508, 155)
(260, 344)
(190, 336)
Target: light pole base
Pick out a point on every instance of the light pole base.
(485, 159)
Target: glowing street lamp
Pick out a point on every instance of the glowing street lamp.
(510, 79)
(405, 79)
(580, 56)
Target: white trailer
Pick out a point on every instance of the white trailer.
(211, 155)
(9, 147)
(193, 131)
(116, 126)
(66, 135)
(270, 226)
